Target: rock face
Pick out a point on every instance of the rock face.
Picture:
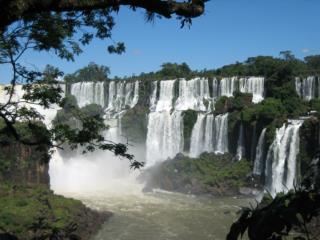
(24, 164)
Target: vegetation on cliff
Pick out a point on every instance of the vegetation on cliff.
(209, 174)
(34, 212)
(189, 119)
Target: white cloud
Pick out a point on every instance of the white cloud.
(305, 50)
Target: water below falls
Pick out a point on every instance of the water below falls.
(164, 216)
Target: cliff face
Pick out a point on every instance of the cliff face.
(24, 164)
(28, 208)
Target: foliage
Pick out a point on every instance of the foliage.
(209, 173)
(90, 73)
(313, 62)
(189, 119)
(236, 103)
(166, 72)
(174, 70)
(222, 104)
(62, 28)
(266, 111)
(278, 218)
(36, 213)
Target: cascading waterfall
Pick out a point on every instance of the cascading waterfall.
(197, 137)
(165, 101)
(258, 161)
(153, 98)
(88, 92)
(307, 87)
(208, 144)
(165, 129)
(254, 85)
(241, 145)
(281, 164)
(221, 133)
(209, 134)
(215, 88)
(192, 94)
(229, 85)
(121, 94)
(164, 137)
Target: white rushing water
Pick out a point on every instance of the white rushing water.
(88, 92)
(165, 130)
(165, 101)
(193, 94)
(229, 85)
(308, 87)
(197, 136)
(119, 95)
(164, 137)
(122, 95)
(209, 134)
(221, 133)
(281, 158)
(259, 158)
(241, 144)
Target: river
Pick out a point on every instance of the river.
(165, 216)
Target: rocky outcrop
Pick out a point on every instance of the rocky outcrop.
(20, 163)
(210, 174)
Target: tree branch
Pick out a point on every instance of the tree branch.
(14, 10)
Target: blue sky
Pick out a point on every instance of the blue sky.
(230, 30)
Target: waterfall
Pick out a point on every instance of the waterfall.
(215, 88)
(281, 158)
(221, 133)
(135, 98)
(254, 85)
(192, 94)
(229, 85)
(209, 131)
(209, 134)
(153, 98)
(88, 92)
(166, 96)
(164, 137)
(122, 95)
(306, 87)
(258, 161)
(241, 146)
(197, 137)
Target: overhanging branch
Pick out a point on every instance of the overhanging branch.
(14, 10)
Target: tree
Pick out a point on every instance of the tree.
(313, 62)
(52, 26)
(92, 73)
(174, 70)
(287, 55)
